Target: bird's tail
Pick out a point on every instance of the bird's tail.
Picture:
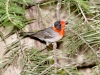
(26, 34)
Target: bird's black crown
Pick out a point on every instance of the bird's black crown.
(57, 25)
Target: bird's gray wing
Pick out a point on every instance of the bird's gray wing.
(44, 34)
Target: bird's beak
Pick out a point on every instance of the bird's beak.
(66, 22)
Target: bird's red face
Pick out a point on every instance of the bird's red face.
(62, 23)
(59, 27)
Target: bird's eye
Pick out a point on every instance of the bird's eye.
(66, 22)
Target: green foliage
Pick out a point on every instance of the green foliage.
(83, 4)
(83, 36)
(12, 13)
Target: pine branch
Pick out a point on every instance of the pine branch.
(82, 13)
(42, 73)
(94, 51)
(7, 12)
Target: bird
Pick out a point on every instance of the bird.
(50, 34)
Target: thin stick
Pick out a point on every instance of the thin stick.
(58, 9)
(54, 44)
(54, 55)
(82, 13)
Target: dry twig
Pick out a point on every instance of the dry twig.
(55, 56)
(58, 9)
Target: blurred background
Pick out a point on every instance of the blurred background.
(78, 51)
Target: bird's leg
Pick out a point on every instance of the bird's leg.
(55, 56)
